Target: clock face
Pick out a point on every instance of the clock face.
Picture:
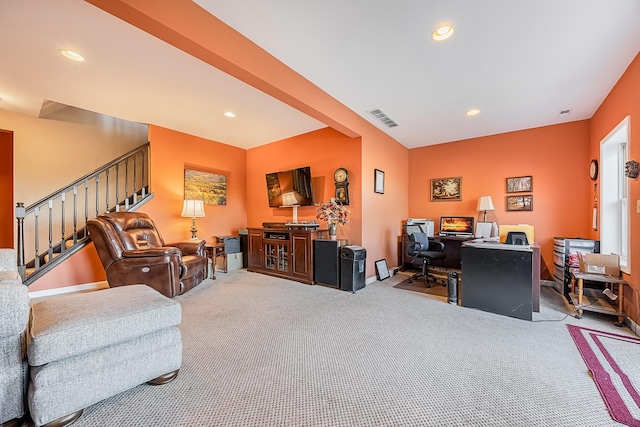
(593, 169)
(340, 175)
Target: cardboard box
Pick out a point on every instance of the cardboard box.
(234, 262)
(599, 263)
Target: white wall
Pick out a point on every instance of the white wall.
(49, 154)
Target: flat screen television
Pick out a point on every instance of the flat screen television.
(456, 225)
(290, 188)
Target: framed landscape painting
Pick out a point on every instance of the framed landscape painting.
(207, 186)
(520, 184)
(520, 203)
(446, 189)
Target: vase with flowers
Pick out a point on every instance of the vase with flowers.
(334, 213)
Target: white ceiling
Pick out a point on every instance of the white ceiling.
(519, 62)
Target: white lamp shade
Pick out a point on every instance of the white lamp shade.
(485, 204)
(193, 208)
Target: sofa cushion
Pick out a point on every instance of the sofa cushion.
(77, 324)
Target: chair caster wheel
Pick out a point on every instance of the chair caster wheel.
(578, 316)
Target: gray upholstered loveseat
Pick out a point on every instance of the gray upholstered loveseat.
(14, 316)
(81, 348)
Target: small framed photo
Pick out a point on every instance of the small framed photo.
(378, 180)
(520, 203)
(382, 271)
(520, 184)
(446, 189)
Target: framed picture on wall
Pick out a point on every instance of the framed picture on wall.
(378, 181)
(520, 184)
(520, 203)
(446, 189)
(208, 186)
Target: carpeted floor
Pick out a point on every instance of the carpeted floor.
(261, 351)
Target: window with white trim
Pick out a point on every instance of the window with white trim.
(614, 194)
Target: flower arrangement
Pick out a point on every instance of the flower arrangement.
(332, 212)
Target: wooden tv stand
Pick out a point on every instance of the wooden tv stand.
(285, 252)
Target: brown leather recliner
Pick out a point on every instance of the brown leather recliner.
(132, 252)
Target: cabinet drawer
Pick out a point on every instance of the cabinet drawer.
(558, 259)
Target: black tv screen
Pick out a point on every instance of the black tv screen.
(288, 188)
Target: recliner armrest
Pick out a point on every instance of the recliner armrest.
(190, 247)
(151, 252)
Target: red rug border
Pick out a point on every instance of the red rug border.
(612, 399)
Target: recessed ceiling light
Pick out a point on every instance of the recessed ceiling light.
(69, 54)
(473, 112)
(229, 114)
(443, 32)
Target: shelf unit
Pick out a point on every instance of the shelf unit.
(563, 247)
(587, 299)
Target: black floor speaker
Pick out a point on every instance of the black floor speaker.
(326, 265)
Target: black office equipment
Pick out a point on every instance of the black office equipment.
(326, 265)
(516, 238)
(352, 267)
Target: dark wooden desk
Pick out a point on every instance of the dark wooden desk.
(452, 248)
(501, 279)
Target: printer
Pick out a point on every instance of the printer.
(426, 224)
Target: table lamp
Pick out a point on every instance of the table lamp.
(485, 204)
(193, 209)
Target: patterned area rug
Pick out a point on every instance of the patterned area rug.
(613, 362)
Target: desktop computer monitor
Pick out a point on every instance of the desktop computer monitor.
(456, 225)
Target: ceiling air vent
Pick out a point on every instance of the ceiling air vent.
(378, 114)
(565, 113)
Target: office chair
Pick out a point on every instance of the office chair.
(420, 247)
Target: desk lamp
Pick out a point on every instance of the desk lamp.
(485, 204)
(193, 209)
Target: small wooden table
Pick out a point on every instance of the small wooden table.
(214, 251)
(578, 295)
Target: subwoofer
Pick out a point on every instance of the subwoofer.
(326, 265)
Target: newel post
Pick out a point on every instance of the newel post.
(20, 214)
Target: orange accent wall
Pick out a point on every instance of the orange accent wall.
(623, 101)
(557, 157)
(182, 24)
(171, 152)
(324, 151)
(7, 217)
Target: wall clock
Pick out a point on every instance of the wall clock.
(340, 176)
(593, 170)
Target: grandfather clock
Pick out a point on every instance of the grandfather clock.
(341, 180)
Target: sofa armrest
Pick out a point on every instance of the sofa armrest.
(14, 309)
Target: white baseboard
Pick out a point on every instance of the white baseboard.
(95, 286)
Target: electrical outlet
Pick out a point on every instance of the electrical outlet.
(638, 206)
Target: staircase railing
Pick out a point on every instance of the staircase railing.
(54, 228)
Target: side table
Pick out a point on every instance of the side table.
(214, 251)
(593, 300)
